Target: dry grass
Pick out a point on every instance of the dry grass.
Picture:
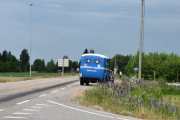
(13, 77)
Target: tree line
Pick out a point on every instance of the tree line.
(9, 63)
(155, 65)
(158, 66)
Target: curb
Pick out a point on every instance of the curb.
(22, 94)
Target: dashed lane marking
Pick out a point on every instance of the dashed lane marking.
(1, 110)
(54, 91)
(14, 117)
(20, 103)
(42, 105)
(21, 113)
(85, 111)
(36, 107)
(31, 110)
(63, 88)
(43, 95)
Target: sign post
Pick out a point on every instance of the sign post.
(63, 63)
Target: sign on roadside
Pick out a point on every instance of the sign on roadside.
(63, 62)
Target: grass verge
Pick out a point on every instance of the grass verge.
(152, 101)
(13, 77)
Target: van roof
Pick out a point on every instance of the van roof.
(98, 55)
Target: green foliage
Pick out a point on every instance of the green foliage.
(51, 66)
(39, 65)
(24, 60)
(165, 66)
(120, 61)
(8, 62)
(73, 66)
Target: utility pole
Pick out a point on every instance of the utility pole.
(30, 38)
(141, 41)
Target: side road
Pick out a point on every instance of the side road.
(9, 91)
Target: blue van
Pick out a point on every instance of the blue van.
(94, 68)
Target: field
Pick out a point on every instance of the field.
(12, 77)
(151, 101)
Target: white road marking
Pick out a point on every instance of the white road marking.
(21, 113)
(20, 103)
(63, 88)
(1, 110)
(31, 110)
(14, 117)
(36, 107)
(54, 91)
(85, 111)
(42, 105)
(43, 95)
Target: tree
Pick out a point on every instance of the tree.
(164, 66)
(65, 57)
(121, 61)
(8, 62)
(51, 66)
(4, 56)
(0, 57)
(39, 65)
(24, 60)
(73, 65)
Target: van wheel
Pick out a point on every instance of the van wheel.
(81, 81)
(87, 83)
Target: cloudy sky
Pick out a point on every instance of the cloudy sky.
(66, 27)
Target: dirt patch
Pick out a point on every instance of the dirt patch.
(79, 91)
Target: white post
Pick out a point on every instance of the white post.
(63, 68)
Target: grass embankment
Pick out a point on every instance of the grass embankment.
(13, 77)
(152, 101)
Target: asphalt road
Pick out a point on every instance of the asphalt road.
(53, 104)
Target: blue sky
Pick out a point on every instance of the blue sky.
(67, 27)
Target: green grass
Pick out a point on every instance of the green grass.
(19, 76)
(138, 103)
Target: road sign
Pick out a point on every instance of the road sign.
(63, 62)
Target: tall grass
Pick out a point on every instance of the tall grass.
(146, 101)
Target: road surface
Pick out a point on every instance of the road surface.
(53, 104)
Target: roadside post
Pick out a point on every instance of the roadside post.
(154, 75)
